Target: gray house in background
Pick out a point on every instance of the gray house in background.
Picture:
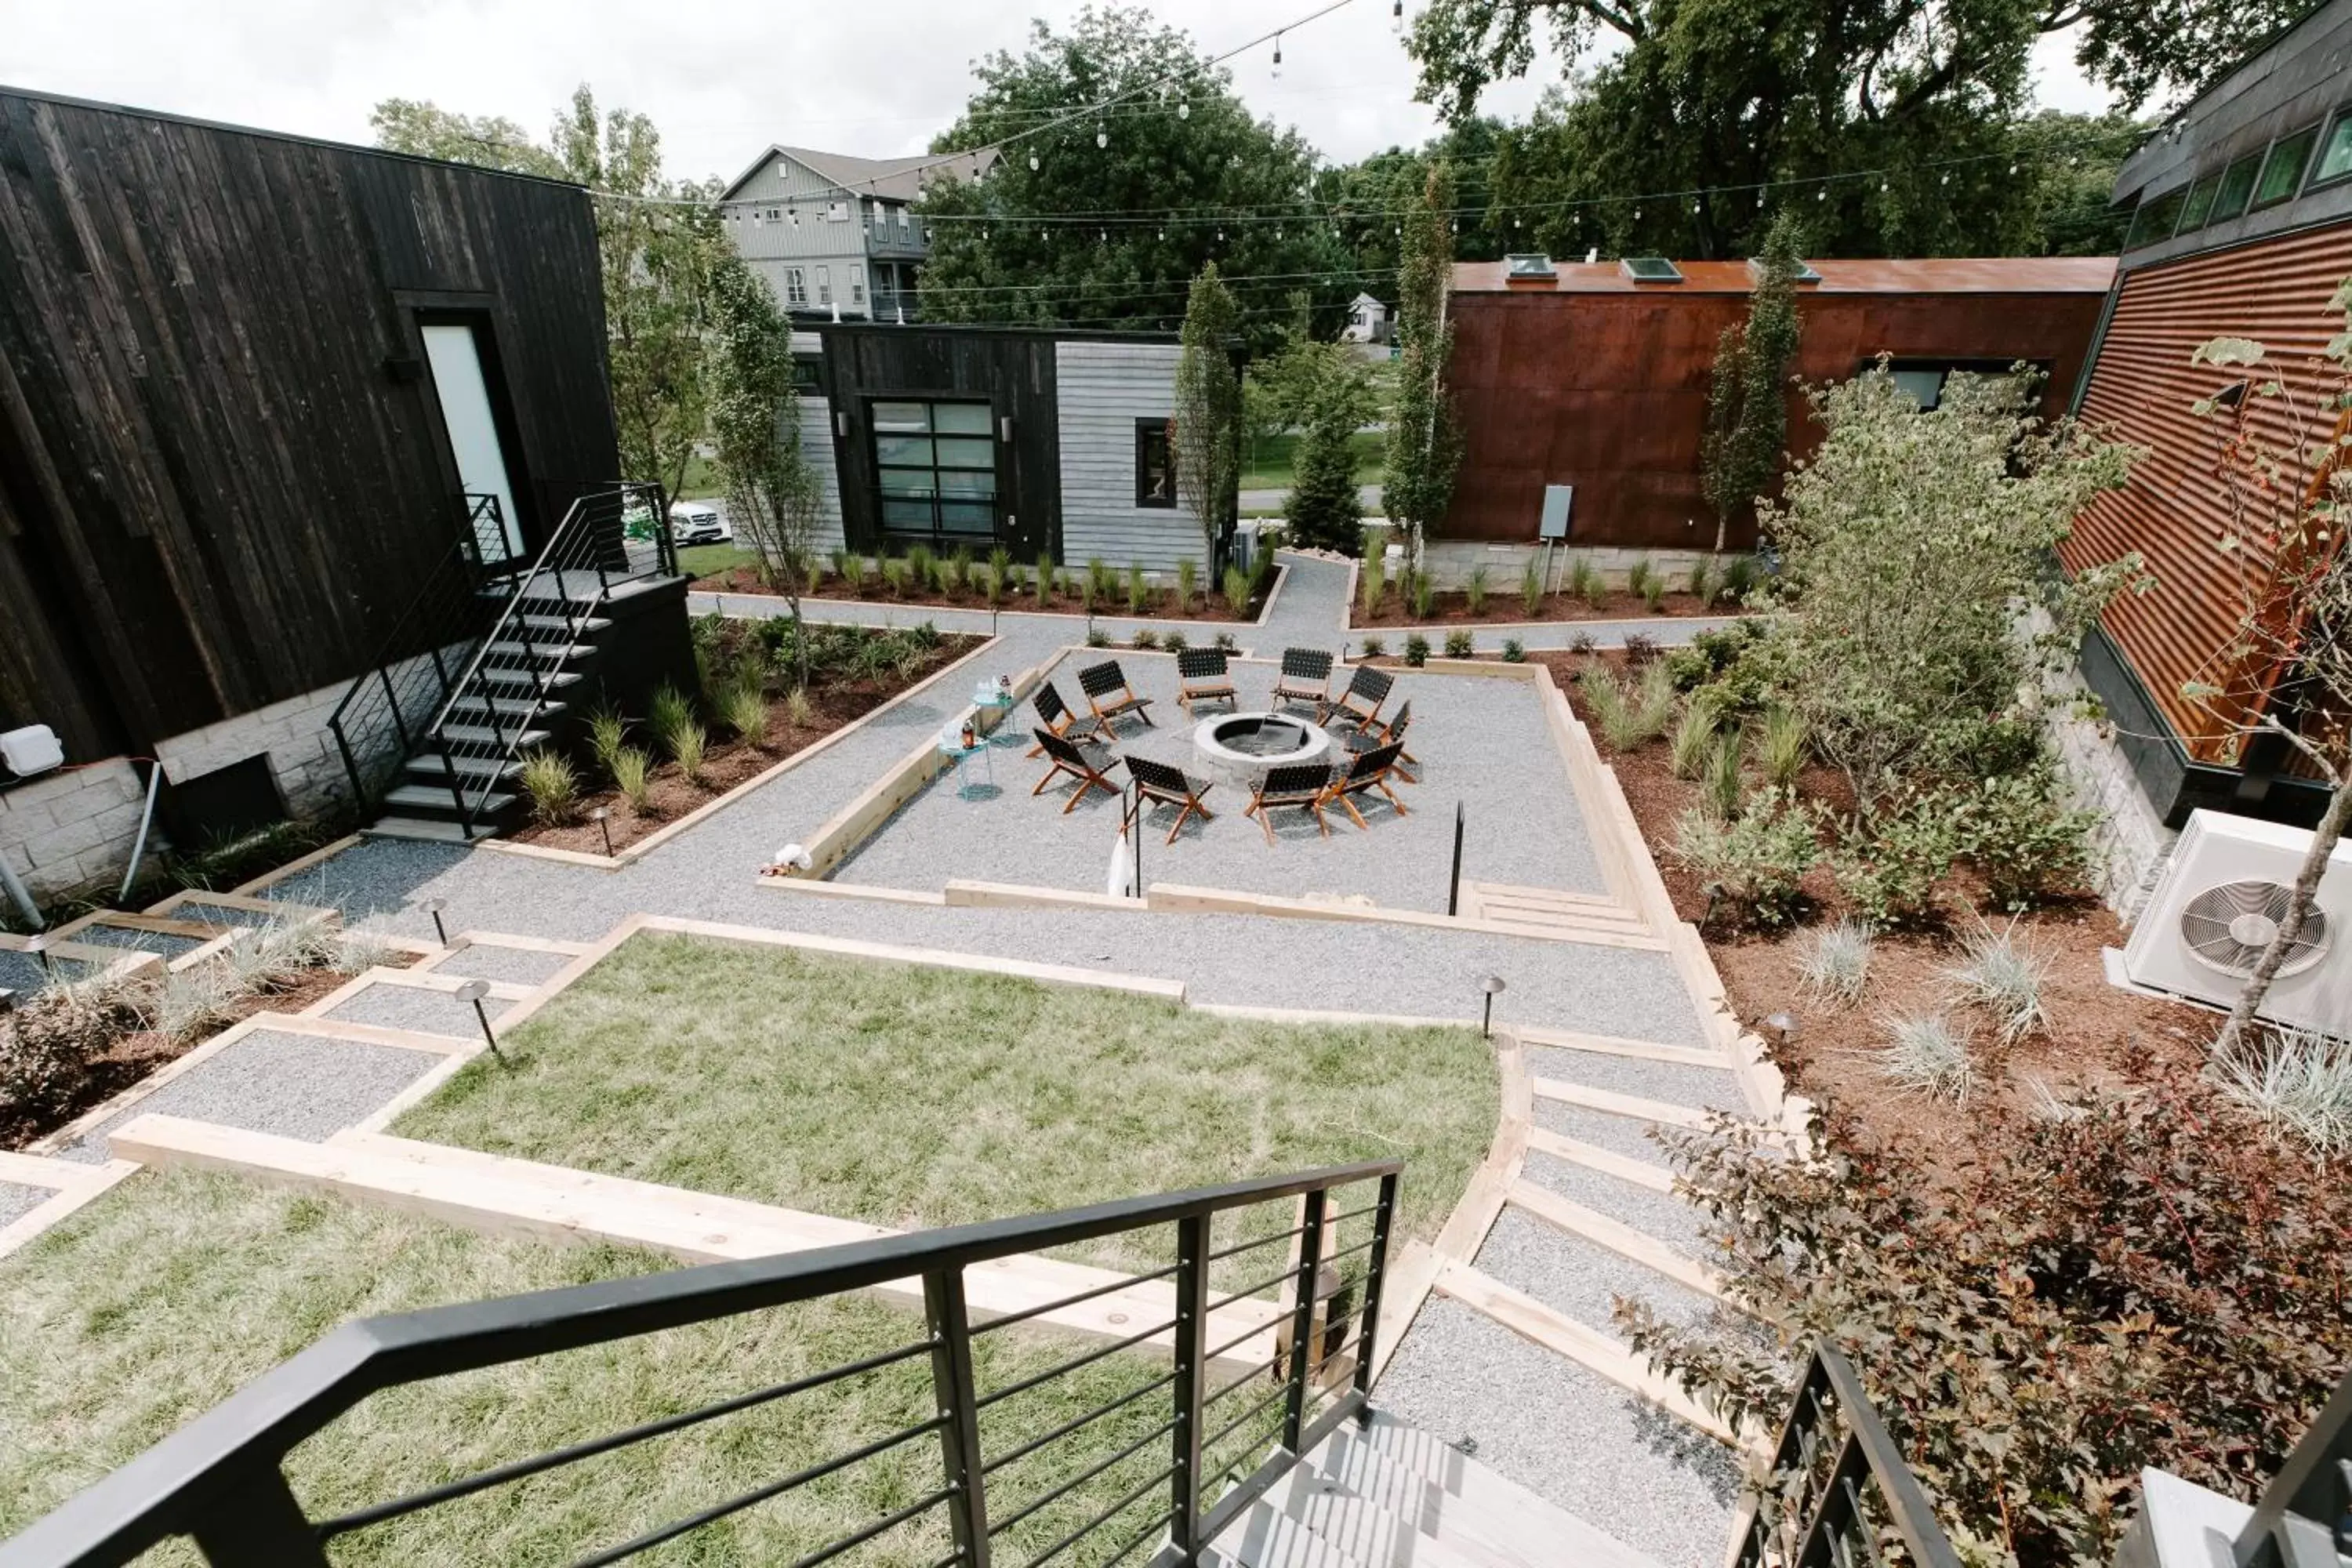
(836, 237)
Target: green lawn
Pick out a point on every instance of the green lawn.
(162, 1297)
(708, 560)
(1268, 464)
(913, 1097)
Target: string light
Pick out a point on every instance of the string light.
(1278, 56)
(1396, 17)
(1102, 135)
(1034, 165)
(1185, 109)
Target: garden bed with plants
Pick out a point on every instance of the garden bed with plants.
(2060, 1232)
(1414, 600)
(70, 1047)
(960, 580)
(752, 714)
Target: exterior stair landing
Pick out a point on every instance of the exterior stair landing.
(1391, 1495)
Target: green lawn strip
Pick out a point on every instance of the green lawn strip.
(162, 1297)
(1271, 464)
(710, 560)
(912, 1097)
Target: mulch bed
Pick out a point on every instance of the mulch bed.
(1504, 609)
(835, 704)
(2099, 1036)
(1163, 606)
(131, 1056)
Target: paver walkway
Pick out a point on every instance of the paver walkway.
(1537, 1415)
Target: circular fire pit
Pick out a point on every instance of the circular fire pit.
(1241, 747)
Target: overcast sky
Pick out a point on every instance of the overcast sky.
(723, 78)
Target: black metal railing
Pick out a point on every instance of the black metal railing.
(221, 1478)
(1832, 1503)
(386, 714)
(511, 684)
(2304, 1517)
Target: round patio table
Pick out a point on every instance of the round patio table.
(959, 757)
(990, 697)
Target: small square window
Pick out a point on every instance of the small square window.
(1155, 464)
(2237, 188)
(2335, 155)
(2282, 170)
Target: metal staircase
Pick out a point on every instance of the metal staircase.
(489, 662)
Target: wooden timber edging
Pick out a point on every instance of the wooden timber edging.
(631, 854)
(70, 1185)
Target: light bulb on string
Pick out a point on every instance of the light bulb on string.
(1396, 17)
(1163, 233)
(1278, 56)
(1185, 109)
(1033, 162)
(2012, 168)
(1822, 195)
(1102, 136)
(1944, 179)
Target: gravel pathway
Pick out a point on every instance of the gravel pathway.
(17, 1201)
(1617, 1134)
(1577, 1276)
(408, 1008)
(1566, 1434)
(291, 1085)
(1715, 1090)
(516, 966)
(1660, 1215)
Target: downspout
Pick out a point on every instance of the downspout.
(146, 819)
(18, 896)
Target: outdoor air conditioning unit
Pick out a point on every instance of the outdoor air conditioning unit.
(2220, 903)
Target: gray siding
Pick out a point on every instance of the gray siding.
(1104, 388)
(762, 221)
(816, 445)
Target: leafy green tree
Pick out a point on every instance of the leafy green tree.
(773, 494)
(491, 140)
(1363, 199)
(1675, 95)
(1424, 442)
(1325, 510)
(1746, 411)
(1206, 431)
(1080, 238)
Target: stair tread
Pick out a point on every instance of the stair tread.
(431, 767)
(1267, 1537)
(1368, 1529)
(541, 650)
(417, 827)
(414, 797)
(483, 735)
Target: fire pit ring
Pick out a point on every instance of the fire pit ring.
(1241, 747)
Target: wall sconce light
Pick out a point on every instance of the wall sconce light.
(841, 423)
(1004, 428)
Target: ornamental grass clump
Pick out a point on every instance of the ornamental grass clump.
(1584, 581)
(1372, 583)
(551, 784)
(1424, 596)
(632, 776)
(1834, 961)
(1237, 592)
(2001, 973)
(1721, 780)
(1474, 591)
(1693, 743)
(2299, 1083)
(1046, 576)
(1780, 745)
(1531, 589)
(1188, 582)
(687, 744)
(1139, 590)
(1928, 1052)
(744, 707)
(606, 732)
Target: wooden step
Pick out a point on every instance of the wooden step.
(1267, 1536)
(1624, 1240)
(1368, 1531)
(1608, 1101)
(433, 767)
(1593, 1349)
(1617, 1045)
(1624, 1167)
(540, 653)
(560, 624)
(511, 680)
(1561, 896)
(503, 1195)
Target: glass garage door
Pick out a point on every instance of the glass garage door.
(935, 465)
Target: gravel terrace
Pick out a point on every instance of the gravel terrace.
(17, 1201)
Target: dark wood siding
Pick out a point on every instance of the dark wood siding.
(1013, 370)
(1608, 391)
(216, 492)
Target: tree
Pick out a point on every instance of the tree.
(2287, 674)
(1326, 510)
(1424, 443)
(1206, 431)
(773, 494)
(1675, 95)
(1746, 414)
(491, 141)
(1109, 235)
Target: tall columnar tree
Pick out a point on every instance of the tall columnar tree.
(1676, 95)
(1747, 408)
(1206, 431)
(1424, 442)
(2287, 674)
(1332, 392)
(773, 494)
(1110, 235)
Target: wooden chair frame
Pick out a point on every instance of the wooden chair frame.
(1372, 737)
(1097, 682)
(1168, 785)
(1365, 682)
(1299, 667)
(1303, 785)
(1070, 758)
(1057, 716)
(1369, 771)
(1205, 677)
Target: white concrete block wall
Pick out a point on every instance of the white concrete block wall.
(2130, 845)
(1103, 388)
(1450, 560)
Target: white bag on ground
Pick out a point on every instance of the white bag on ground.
(1119, 883)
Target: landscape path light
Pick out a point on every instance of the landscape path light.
(1493, 986)
(473, 990)
(603, 817)
(433, 907)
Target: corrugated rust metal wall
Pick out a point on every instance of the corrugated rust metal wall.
(1608, 392)
(2175, 507)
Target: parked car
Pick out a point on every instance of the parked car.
(698, 523)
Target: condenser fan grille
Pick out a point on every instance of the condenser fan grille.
(2230, 926)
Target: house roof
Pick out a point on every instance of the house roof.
(1368, 300)
(893, 179)
(1938, 275)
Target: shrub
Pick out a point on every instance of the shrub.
(2028, 848)
(1372, 583)
(894, 572)
(1928, 1052)
(1514, 651)
(745, 709)
(1640, 649)
(1834, 962)
(1720, 777)
(1701, 581)
(1757, 864)
(2069, 1305)
(1416, 649)
(1188, 582)
(798, 708)
(47, 1044)
(1375, 646)
(1098, 637)
(1584, 582)
(1424, 596)
(686, 744)
(1693, 744)
(633, 775)
(1458, 645)
(1474, 591)
(606, 731)
(2000, 973)
(670, 708)
(1891, 865)
(1531, 588)
(1237, 593)
(1145, 639)
(1226, 641)
(959, 571)
(1044, 575)
(1582, 642)
(1175, 642)
(2299, 1082)
(551, 784)
(1640, 577)
(1780, 745)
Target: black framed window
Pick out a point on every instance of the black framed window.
(2282, 170)
(2336, 153)
(935, 467)
(2156, 220)
(1926, 380)
(2237, 188)
(1155, 464)
(2200, 203)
